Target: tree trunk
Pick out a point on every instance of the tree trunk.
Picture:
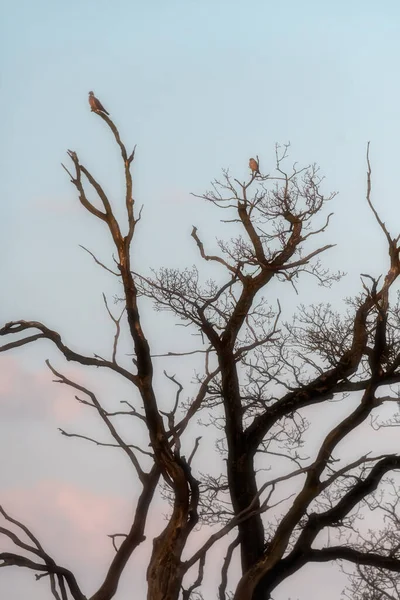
(240, 468)
(164, 574)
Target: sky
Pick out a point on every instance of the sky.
(198, 86)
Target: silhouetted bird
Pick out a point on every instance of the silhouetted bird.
(253, 164)
(95, 104)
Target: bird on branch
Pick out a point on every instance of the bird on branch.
(253, 164)
(95, 104)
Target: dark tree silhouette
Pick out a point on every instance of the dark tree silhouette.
(259, 376)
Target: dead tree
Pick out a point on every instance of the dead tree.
(262, 373)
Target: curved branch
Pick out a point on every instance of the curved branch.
(9, 559)
(14, 327)
(211, 257)
(225, 568)
(128, 177)
(133, 539)
(355, 556)
(103, 416)
(96, 260)
(48, 568)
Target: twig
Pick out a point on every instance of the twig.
(193, 452)
(225, 568)
(115, 535)
(117, 323)
(98, 262)
(107, 445)
(103, 416)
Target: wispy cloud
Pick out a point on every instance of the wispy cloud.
(69, 520)
(27, 395)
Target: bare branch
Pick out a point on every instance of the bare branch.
(225, 568)
(117, 323)
(89, 439)
(193, 452)
(187, 593)
(18, 326)
(103, 416)
(116, 535)
(98, 262)
(209, 257)
(48, 567)
(379, 220)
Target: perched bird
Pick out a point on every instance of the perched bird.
(95, 104)
(253, 164)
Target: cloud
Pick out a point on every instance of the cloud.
(72, 523)
(28, 395)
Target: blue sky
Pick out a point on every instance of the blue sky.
(197, 85)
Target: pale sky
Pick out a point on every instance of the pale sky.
(198, 85)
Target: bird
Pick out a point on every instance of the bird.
(95, 104)
(253, 164)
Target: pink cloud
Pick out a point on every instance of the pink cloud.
(26, 394)
(82, 519)
(71, 522)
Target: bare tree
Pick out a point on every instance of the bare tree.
(259, 376)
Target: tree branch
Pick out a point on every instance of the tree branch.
(14, 327)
